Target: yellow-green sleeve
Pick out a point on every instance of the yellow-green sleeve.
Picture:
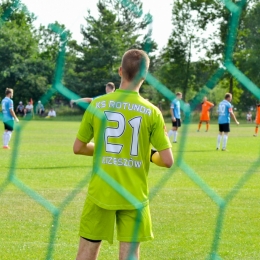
(159, 136)
(85, 133)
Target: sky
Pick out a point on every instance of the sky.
(72, 13)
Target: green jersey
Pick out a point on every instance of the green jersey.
(124, 126)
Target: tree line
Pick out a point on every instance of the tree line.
(28, 54)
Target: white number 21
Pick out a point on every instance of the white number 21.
(119, 130)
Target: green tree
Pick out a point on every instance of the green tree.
(132, 21)
(190, 20)
(100, 52)
(247, 54)
(21, 65)
(49, 45)
(106, 38)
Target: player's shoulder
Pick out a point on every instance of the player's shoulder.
(174, 101)
(148, 103)
(97, 98)
(100, 98)
(229, 104)
(225, 102)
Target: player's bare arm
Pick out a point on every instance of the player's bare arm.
(234, 117)
(87, 100)
(14, 115)
(82, 148)
(163, 158)
(172, 115)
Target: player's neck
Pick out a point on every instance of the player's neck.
(132, 86)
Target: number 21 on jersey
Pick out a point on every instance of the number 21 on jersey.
(119, 131)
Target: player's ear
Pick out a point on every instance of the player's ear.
(120, 71)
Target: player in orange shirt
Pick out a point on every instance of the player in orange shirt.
(257, 119)
(204, 117)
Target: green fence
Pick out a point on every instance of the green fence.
(57, 86)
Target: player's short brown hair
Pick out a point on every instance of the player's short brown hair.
(228, 95)
(8, 91)
(135, 64)
(178, 94)
(111, 85)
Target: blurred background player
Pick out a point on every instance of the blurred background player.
(127, 135)
(110, 87)
(51, 113)
(204, 116)
(40, 108)
(257, 119)
(176, 116)
(249, 117)
(224, 112)
(8, 117)
(20, 109)
(28, 111)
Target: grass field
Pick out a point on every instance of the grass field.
(42, 181)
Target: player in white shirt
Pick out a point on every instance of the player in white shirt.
(51, 113)
(249, 117)
(28, 110)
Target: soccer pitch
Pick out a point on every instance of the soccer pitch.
(184, 216)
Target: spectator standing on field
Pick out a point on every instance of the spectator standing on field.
(249, 117)
(224, 112)
(8, 117)
(131, 123)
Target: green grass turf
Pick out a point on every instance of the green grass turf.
(184, 216)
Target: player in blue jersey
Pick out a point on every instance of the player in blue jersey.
(8, 117)
(224, 112)
(176, 116)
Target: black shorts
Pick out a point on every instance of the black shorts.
(177, 123)
(224, 127)
(9, 125)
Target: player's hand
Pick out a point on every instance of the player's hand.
(237, 122)
(16, 119)
(174, 119)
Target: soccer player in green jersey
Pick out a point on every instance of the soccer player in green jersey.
(124, 126)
